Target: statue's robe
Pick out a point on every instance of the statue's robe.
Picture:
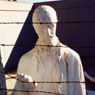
(60, 69)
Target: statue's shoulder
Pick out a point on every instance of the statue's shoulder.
(73, 53)
(26, 60)
(29, 55)
(68, 51)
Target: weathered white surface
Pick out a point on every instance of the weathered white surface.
(44, 64)
(10, 13)
(50, 64)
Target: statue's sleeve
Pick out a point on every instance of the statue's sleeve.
(79, 85)
(75, 75)
(26, 73)
(28, 64)
(23, 64)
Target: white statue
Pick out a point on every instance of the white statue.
(50, 62)
(92, 79)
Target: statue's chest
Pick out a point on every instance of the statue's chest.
(49, 58)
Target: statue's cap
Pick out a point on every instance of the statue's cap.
(44, 14)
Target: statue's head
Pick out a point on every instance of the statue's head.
(44, 22)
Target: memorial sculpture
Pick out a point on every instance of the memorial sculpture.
(3, 90)
(50, 67)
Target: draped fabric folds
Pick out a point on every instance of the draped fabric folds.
(59, 65)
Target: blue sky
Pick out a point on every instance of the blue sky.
(36, 0)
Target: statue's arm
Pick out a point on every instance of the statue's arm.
(24, 79)
(79, 77)
(75, 74)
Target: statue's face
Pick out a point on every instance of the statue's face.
(46, 19)
(47, 33)
(51, 30)
(48, 30)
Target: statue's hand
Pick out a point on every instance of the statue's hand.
(26, 80)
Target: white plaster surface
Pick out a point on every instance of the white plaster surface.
(53, 63)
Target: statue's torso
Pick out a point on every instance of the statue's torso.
(58, 64)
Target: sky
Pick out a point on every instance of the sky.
(36, 0)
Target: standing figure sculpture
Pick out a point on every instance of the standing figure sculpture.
(51, 67)
(3, 90)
